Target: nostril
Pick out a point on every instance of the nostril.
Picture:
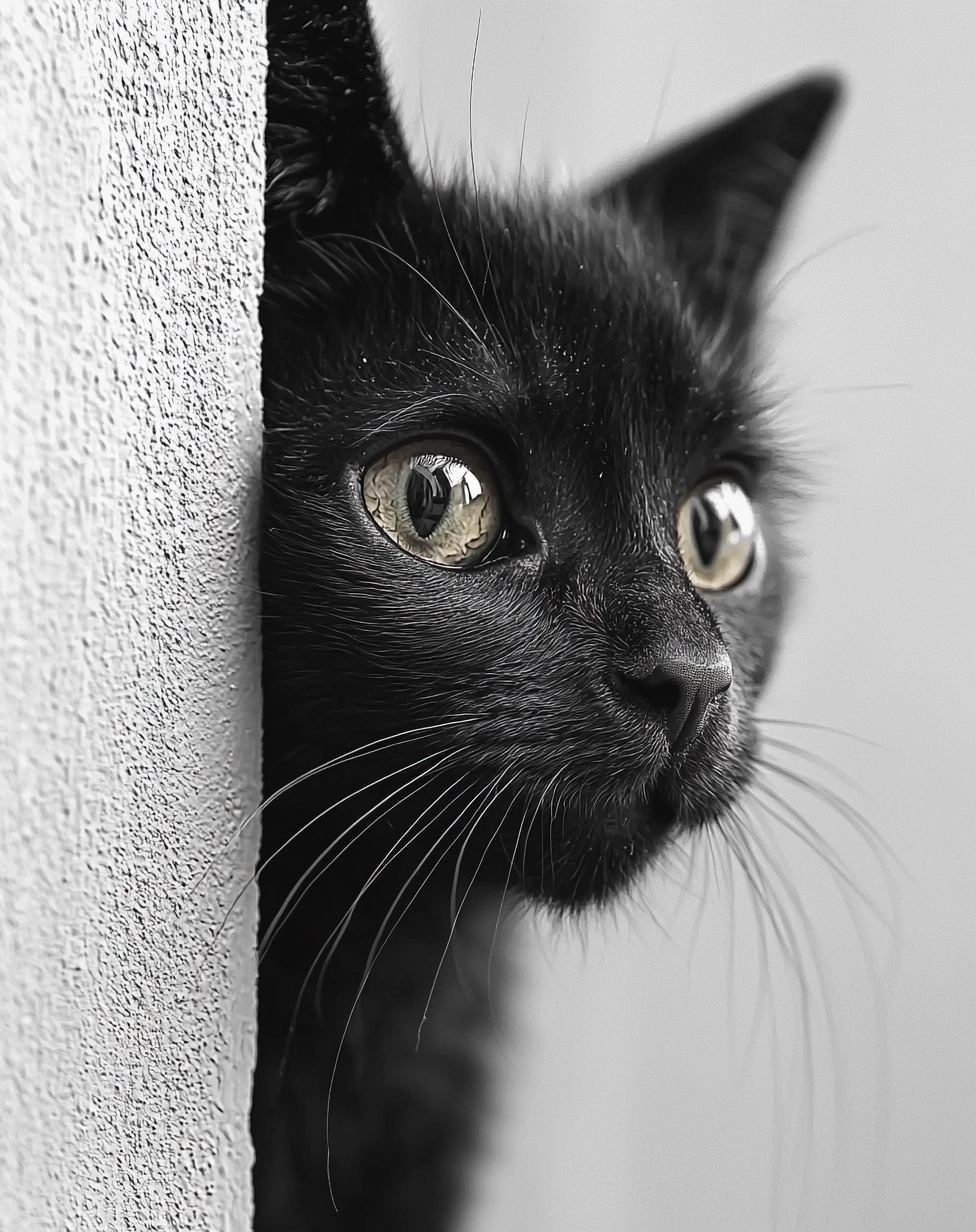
(664, 695)
(678, 692)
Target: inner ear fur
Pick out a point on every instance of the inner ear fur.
(336, 154)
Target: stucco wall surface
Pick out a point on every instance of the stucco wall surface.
(130, 203)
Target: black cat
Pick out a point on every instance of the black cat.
(523, 578)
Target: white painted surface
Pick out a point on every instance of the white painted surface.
(130, 209)
(649, 1091)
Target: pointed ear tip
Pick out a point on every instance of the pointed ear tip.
(823, 90)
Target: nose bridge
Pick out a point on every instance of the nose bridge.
(654, 612)
(668, 656)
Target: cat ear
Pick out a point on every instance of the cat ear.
(336, 154)
(714, 201)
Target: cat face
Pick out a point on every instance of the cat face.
(524, 506)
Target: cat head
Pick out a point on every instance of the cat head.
(524, 506)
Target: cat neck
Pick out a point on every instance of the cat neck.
(382, 1057)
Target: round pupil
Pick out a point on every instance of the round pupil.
(428, 495)
(707, 527)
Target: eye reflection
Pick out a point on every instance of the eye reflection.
(437, 500)
(717, 534)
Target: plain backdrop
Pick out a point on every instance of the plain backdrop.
(683, 1065)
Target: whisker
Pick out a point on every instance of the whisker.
(460, 974)
(308, 824)
(862, 389)
(501, 907)
(745, 857)
(447, 230)
(487, 280)
(307, 880)
(871, 835)
(878, 979)
(824, 1002)
(474, 169)
(521, 157)
(405, 840)
(552, 845)
(374, 953)
(796, 823)
(703, 897)
(379, 941)
(456, 911)
(821, 727)
(665, 91)
(334, 938)
(384, 248)
(359, 991)
(453, 908)
(405, 412)
(525, 840)
(844, 238)
(813, 758)
(352, 755)
(744, 849)
(849, 890)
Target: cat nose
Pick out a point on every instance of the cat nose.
(679, 690)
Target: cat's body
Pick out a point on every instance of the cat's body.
(522, 685)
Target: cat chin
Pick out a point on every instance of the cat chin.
(588, 854)
(597, 855)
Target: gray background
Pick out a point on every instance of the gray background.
(663, 1074)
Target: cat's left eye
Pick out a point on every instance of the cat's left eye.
(717, 534)
(438, 500)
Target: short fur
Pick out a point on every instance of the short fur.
(502, 726)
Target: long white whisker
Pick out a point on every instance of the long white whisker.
(868, 832)
(374, 952)
(819, 727)
(796, 823)
(742, 849)
(456, 910)
(501, 907)
(352, 755)
(308, 824)
(334, 938)
(447, 230)
(403, 841)
(360, 239)
(813, 758)
(380, 940)
(305, 882)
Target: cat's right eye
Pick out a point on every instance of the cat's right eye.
(438, 500)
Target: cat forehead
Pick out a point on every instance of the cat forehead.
(523, 307)
(563, 261)
(542, 290)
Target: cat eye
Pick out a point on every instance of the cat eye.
(717, 534)
(437, 500)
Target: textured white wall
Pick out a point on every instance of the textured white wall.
(666, 1080)
(130, 210)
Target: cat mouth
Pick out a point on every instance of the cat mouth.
(661, 810)
(651, 816)
(595, 850)
(652, 812)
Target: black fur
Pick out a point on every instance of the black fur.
(598, 351)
